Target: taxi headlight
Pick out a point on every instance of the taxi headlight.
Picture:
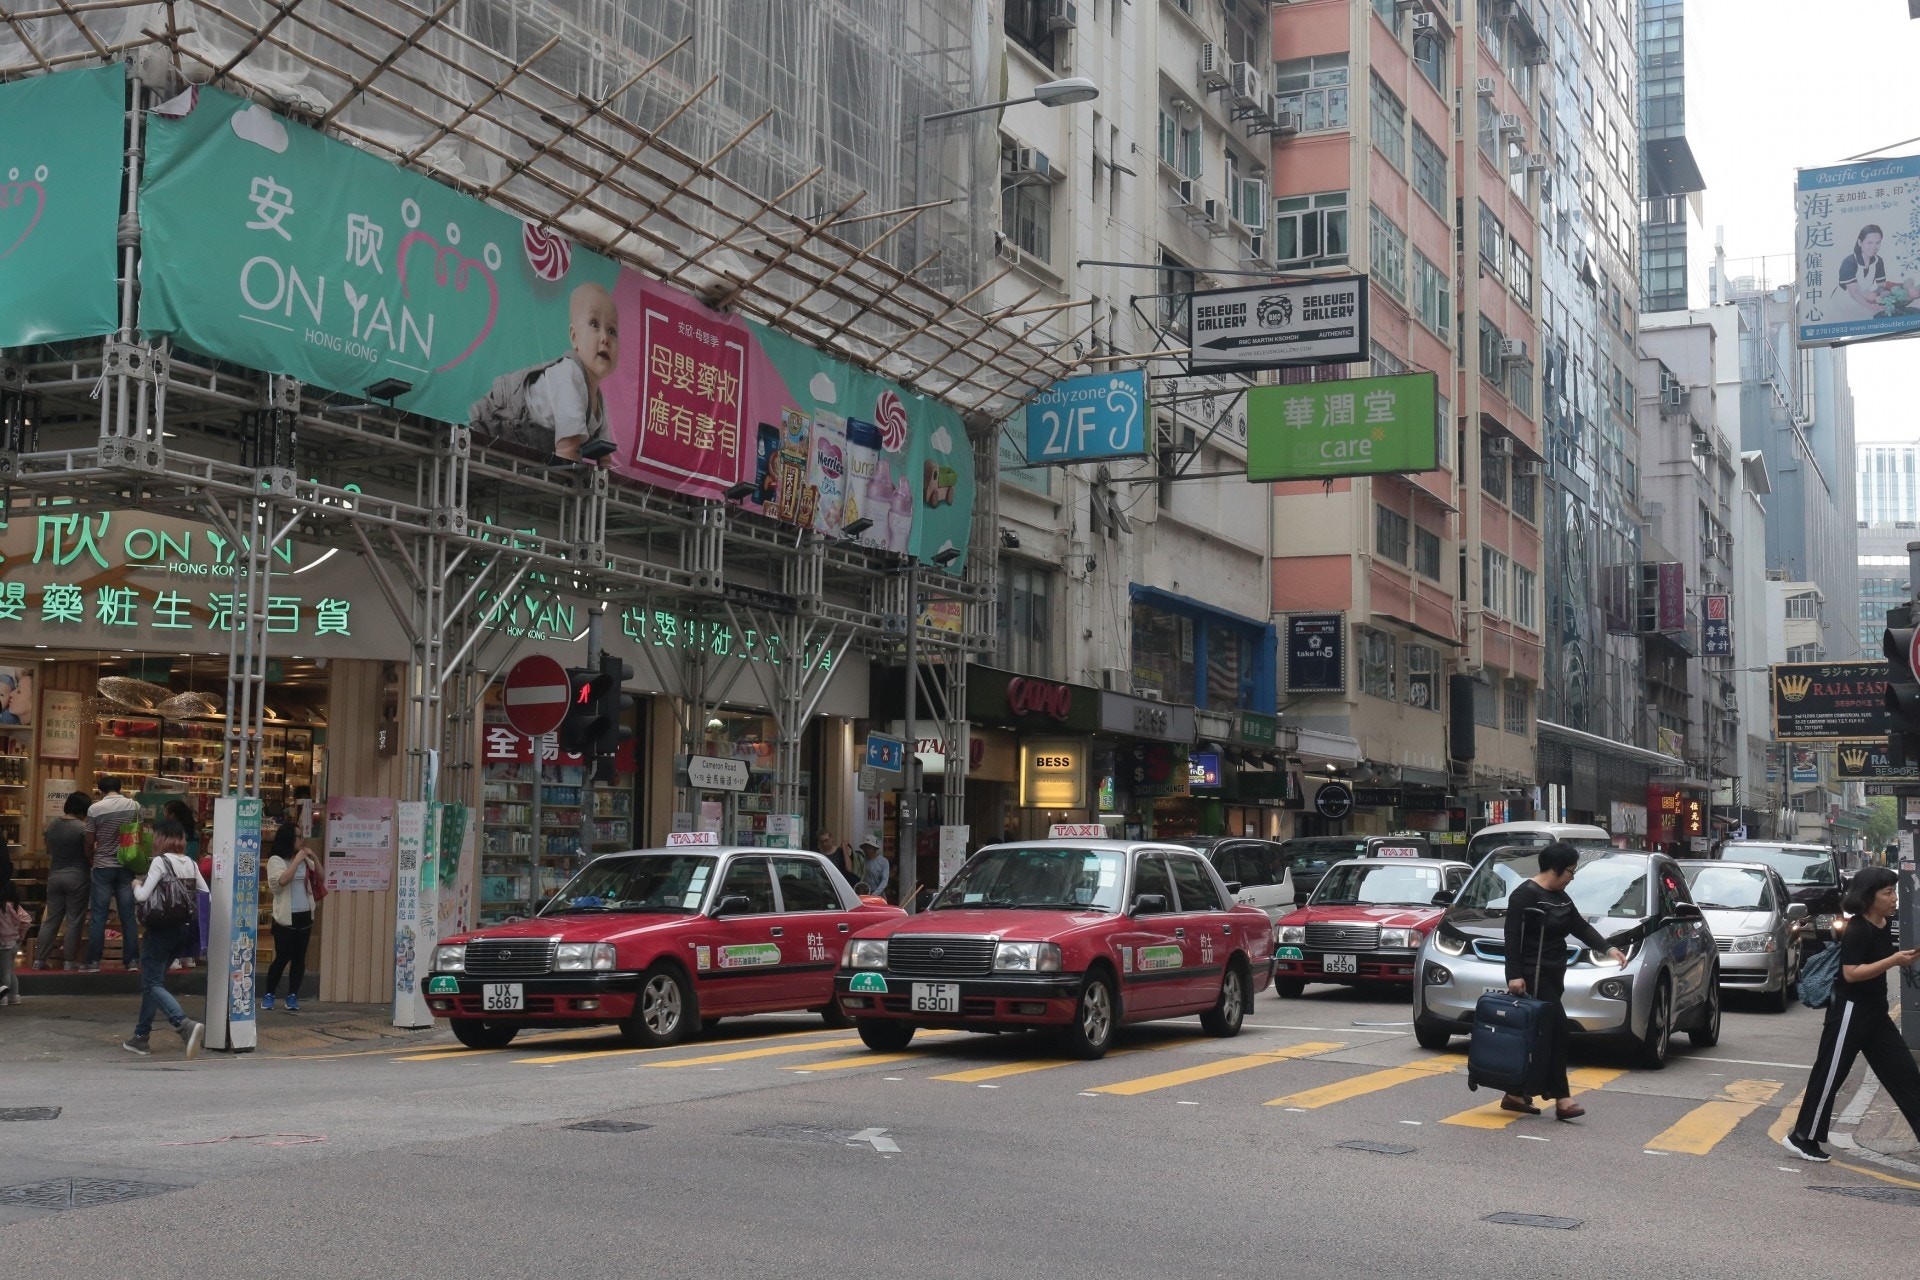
(864, 953)
(577, 957)
(450, 958)
(1752, 942)
(1399, 938)
(1291, 935)
(1448, 944)
(1027, 957)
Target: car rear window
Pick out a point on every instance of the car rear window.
(1796, 866)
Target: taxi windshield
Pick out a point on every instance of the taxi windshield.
(1072, 879)
(1377, 884)
(1728, 888)
(649, 882)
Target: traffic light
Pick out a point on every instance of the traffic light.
(583, 725)
(611, 723)
(1903, 687)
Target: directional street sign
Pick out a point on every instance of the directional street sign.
(888, 754)
(536, 695)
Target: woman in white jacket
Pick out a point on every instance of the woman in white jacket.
(166, 895)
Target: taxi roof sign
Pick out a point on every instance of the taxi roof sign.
(1077, 831)
(1399, 851)
(675, 839)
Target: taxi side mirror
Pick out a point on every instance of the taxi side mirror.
(1148, 904)
(1686, 911)
(1796, 912)
(1300, 898)
(734, 904)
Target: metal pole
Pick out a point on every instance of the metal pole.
(1909, 881)
(909, 842)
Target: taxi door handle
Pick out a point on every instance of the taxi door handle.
(846, 928)
(1227, 929)
(1179, 933)
(778, 932)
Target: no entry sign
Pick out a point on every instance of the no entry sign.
(536, 697)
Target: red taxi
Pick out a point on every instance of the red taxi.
(660, 942)
(1365, 922)
(1074, 934)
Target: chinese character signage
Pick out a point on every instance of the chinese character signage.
(360, 840)
(1264, 326)
(1670, 598)
(61, 151)
(1829, 701)
(1856, 250)
(1102, 415)
(1315, 661)
(1716, 627)
(273, 246)
(1361, 426)
(415, 926)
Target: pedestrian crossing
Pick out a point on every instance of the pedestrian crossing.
(1190, 1069)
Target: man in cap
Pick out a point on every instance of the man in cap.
(873, 867)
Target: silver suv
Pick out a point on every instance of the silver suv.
(1638, 900)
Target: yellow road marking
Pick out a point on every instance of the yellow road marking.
(1219, 1067)
(1703, 1128)
(1884, 1177)
(622, 1053)
(1788, 1114)
(857, 1060)
(1492, 1117)
(454, 1051)
(1372, 1082)
(1002, 1069)
(778, 1050)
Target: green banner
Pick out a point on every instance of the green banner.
(273, 246)
(1362, 426)
(61, 151)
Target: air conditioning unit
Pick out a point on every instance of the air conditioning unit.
(1285, 123)
(1213, 66)
(1484, 86)
(1029, 162)
(1499, 446)
(1525, 466)
(1213, 211)
(1185, 193)
(1062, 15)
(1674, 397)
(1512, 126)
(1243, 84)
(1425, 24)
(1513, 350)
(1537, 162)
(1150, 695)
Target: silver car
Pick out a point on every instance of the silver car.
(1747, 906)
(1638, 900)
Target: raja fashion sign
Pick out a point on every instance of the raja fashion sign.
(61, 151)
(1829, 701)
(1263, 326)
(1101, 415)
(1857, 250)
(274, 246)
(1360, 426)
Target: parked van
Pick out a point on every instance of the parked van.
(1535, 835)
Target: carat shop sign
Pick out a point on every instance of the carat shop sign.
(1362, 426)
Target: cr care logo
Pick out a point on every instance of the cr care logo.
(1039, 698)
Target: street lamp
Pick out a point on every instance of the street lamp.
(1054, 93)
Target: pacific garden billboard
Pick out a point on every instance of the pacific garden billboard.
(1857, 236)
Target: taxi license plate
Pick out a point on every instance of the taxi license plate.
(1340, 964)
(936, 997)
(503, 997)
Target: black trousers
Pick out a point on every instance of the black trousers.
(1855, 1030)
(1552, 985)
(290, 952)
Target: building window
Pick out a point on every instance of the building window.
(1376, 662)
(1803, 653)
(1389, 254)
(1525, 595)
(1389, 12)
(1382, 363)
(1315, 89)
(1013, 468)
(1163, 653)
(1494, 571)
(1388, 115)
(1429, 171)
(1486, 704)
(1175, 282)
(1026, 619)
(1390, 533)
(1524, 496)
(1432, 295)
(1493, 466)
(1520, 273)
(1520, 386)
(1423, 677)
(1519, 706)
(1804, 606)
(1026, 213)
(1430, 55)
(1311, 231)
(1426, 553)
(1491, 367)
(1493, 243)
(1026, 24)
(1180, 145)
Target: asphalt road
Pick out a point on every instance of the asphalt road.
(1178, 1155)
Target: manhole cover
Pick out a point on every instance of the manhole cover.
(1885, 1195)
(78, 1193)
(1533, 1220)
(609, 1126)
(1379, 1148)
(798, 1133)
(29, 1113)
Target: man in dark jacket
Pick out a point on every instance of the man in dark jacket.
(1540, 918)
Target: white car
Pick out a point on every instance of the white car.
(1260, 867)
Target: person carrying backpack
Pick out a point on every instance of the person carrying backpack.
(1858, 1022)
(168, 909)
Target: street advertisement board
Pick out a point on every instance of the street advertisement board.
(233, 930)
(1716, 626)
(62, 145)
(1268, 325)
(1355, 427)
(1829, 701)
(1856, 252)
(360, 839)
(1315, 662)
(482, 317)
(414, 920)
(1871, 760)
(1098, 416)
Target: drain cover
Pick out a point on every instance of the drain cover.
(78, 1193)
(609, 1126)
(1885, 1195)
(1379, 1148)
(29, 1113)
(1533, 1220)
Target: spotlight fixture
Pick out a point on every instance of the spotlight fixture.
(946, 556)
(854, 528)
(387, 390)
(735, 492)
(1009, 539)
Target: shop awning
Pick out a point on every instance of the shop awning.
(1174, 602)
(1326, 746)
(1594, 742)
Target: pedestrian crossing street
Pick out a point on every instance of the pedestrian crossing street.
(1163, 1063)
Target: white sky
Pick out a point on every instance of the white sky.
(1779, 85)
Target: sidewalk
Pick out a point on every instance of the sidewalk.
(53, 1027)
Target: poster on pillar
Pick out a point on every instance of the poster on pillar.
(414, 919)
(232, 932)
(360, 840)
(458, 825)
(62, 147)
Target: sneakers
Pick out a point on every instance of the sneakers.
(191, 1034)
(140, 1045)
(69, 966)
(293, 1002)
(89, 968)
(1805, 1148)
(266, 1000)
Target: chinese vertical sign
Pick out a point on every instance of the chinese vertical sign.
(1857, 250)
(233, 932)
(1716, 627)
(413, 934)
(692, 388)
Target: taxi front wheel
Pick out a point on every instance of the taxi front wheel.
(1094, 1019)
(834, 1016)
(663, 1013)
(1230, 1010)
(476, 1033)
(885, 1035)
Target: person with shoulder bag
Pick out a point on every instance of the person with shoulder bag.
(293, 877)
(68, 887)
(167, 902)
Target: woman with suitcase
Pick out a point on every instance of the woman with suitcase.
(1540, 918)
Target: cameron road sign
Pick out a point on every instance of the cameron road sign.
(536, 695)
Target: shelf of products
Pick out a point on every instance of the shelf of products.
(16, 798)
(187, 756)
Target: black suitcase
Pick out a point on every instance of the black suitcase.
(1512, 1038)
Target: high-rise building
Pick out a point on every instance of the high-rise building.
(1887, 478)
(1671, 180)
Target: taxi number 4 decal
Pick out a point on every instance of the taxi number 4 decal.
(443, 986)
(749, 955)
(871, 983)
